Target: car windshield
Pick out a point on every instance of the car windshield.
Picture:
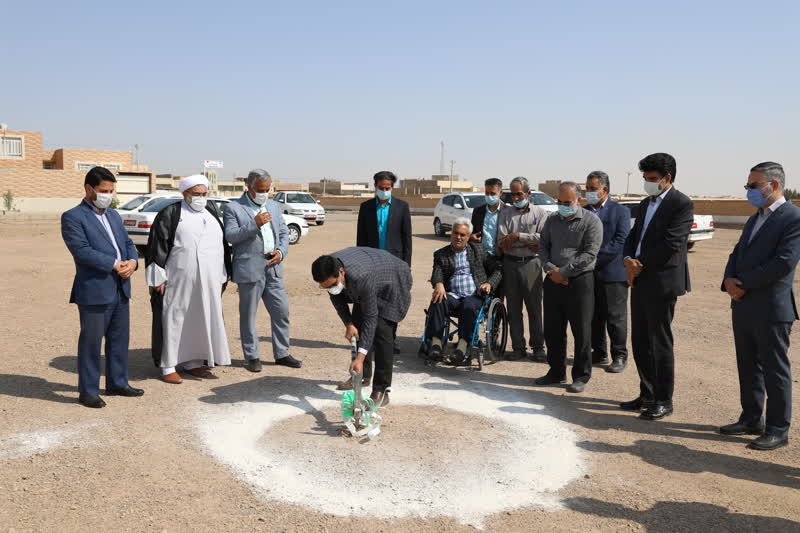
(475, 201)
(159, 204)
(133, 204)
(299, 198)
(542, 199)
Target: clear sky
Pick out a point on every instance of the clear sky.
(343, 89)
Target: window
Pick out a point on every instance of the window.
(113, 166)
(12, 147)
(133, 204)
(542, 199)
(299, 198)
(157, 205)
(475, 201)
(48, 165)
(86, 166)
(449, 200)
(279, 197)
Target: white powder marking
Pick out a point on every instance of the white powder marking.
(533, 456)
(25, 444)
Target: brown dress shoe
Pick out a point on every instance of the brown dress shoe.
(173, 378)
(348, 383)
(200, 372)
(381, 399)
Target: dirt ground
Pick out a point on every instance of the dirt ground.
(137, 465)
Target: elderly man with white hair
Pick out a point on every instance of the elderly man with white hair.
(463, 274)
(254, 226)
(188, 263)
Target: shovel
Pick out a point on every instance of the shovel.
(358, 402)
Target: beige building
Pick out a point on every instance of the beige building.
(436, 184)
(328, 187)
(51, 181)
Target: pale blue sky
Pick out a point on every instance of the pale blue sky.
(343, 89)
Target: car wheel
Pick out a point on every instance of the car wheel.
(437, 228)
(320, 223)
(141, 249)
(689, 245)
(294, 234)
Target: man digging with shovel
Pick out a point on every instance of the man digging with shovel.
(380, 284)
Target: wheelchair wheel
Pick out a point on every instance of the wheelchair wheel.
(496, 325)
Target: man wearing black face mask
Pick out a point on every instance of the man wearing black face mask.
(758, 278)
(655, 261)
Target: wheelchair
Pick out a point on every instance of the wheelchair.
(488, 342)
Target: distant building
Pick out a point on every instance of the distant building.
(329, 187)
(436, 184)
(278, 186)
(550, 187)
(45, 181)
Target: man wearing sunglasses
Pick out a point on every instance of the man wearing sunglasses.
(758, 279)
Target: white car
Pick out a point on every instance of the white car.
(536, 198)
(139, 220)
(702, 227)
(302, 205)
(452, 206)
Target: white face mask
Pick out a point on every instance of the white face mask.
(336, 289)
(103, 200)
(652, 189)
(592, 197)
(260, 198)
(198, 203)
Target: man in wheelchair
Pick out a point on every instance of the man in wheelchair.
(463, 276)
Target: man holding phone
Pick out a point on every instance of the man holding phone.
(255, 228)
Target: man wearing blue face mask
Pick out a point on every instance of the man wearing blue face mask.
(568, 251)
(758, 278)
(518, 231)
(484, 224)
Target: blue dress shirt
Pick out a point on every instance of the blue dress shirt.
(383, 221)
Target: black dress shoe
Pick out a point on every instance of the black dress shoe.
(656, 412)
(633, 405)
(617, 365)
(91, 400)
(125, 391)
(253, 365)
(600, 359)
(289, 361)
(769, 441)
(549, 379)
(576, 386)
(742, 429)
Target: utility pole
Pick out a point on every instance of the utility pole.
(451, 174)
(441, 160)
(628, 188)
(136, 146)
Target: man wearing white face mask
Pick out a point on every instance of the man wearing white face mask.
(254, 226)
(105, 259)
(484, 225)
(188, 264)
(380, 285)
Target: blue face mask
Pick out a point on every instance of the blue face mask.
(492, 200)
(566, 211)
(383, 195)
(756, 198)
(521, 203)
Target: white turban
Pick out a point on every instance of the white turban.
(190, 181)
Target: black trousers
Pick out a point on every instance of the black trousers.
(466, 309)
(610, 314)
(573, 304)
(651, 338)
(381, 353)
(762, 359)
(493, 263)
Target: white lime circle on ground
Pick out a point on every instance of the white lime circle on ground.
(523, 454)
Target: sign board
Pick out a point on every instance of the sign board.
(212, 164)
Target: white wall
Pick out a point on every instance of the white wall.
(43, 206)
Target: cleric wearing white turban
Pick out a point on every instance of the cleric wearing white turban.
(188, 266)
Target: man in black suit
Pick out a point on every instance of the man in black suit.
(462, 277)
(758, 278)
(484, 224)
(384, 223)
(657, 271)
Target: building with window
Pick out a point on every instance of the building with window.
(48, 181)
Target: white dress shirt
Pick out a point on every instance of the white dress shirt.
(101, 217)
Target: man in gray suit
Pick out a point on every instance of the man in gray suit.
(380, 285)
(758, 278)
(255, 228)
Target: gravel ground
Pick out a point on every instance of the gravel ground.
(154, 464)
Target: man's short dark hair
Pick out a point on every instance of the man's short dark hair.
(601, 176)
(493, 182)
(662, 163)
(384, 175)
(324, 268)
(773, 171)
(98, 174)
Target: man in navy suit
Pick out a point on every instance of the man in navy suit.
(610, 278)
(655, 261)
(105, 259)
(758, 278)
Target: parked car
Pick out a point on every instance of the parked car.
(452, 206)
(140, 202)
(139, 220)
(702, 227)
(536, 198)
(302, 205)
